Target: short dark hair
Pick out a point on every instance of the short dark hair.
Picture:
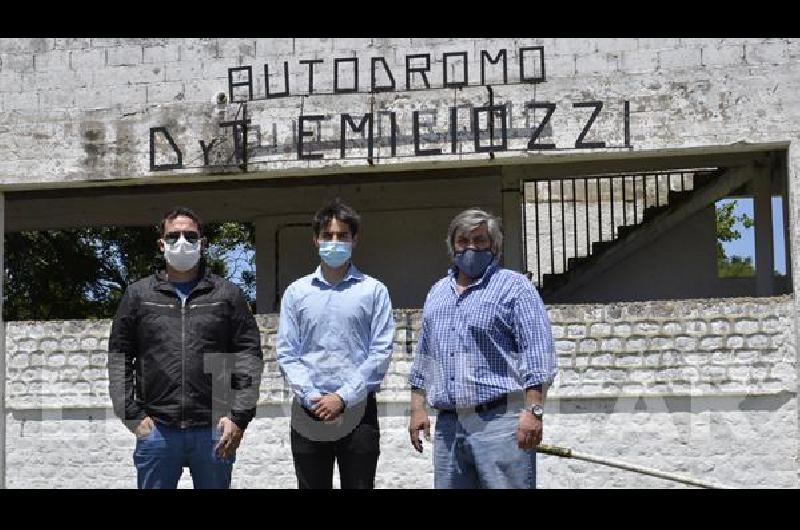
(338, 210)
(181, 211)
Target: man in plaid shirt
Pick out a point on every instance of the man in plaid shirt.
(484, 360)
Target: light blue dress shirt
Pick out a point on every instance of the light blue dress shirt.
(335, 338)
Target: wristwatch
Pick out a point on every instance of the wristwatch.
(537, 410)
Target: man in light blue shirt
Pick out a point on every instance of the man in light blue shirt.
(334, 344)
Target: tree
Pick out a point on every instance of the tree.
(231, 253)
(734, 266)
(82, 273)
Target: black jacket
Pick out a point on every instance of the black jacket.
(184, 366)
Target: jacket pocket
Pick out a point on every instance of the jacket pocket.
(206, 304)
(156, 304)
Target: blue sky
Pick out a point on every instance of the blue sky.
(745, 246)
(237, 261)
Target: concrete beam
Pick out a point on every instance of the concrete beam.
(513, 231)
(240, 202)
(765, 257)
(2, 352)
(541, 164)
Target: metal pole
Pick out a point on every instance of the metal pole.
(569, 453)
(536, 210)
(2, 349)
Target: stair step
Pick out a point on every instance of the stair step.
(653, 211)
(551, 281)
(624, 230)
(601, 246)
(703, 178)
(574, 263)
(677, 196)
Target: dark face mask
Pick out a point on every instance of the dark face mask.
(473, 263)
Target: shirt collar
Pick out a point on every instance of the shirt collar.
(453, 273)
(352, 274)
(204, 282)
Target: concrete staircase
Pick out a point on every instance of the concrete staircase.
(553, 284)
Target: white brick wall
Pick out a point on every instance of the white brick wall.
(758, 72)
(672, 385)
(89, 59)
(268, 48)
(734, 441)
(723, 55)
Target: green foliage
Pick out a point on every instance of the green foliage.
(227, 244)
(733, 266)
(736, 267)
(82, 273)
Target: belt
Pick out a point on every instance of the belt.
(483, 407)
(489, 405)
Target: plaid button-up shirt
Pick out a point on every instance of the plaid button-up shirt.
(490, 340)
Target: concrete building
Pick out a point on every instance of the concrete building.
(604, 158)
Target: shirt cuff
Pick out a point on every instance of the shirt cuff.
(415, 380)
(537, 378)
(306, 399)
(242, 418)
(351, 395)
(133, 421)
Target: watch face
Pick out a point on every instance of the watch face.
(537, 410)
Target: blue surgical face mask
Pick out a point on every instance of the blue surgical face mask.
(335, 253)
(473, 263)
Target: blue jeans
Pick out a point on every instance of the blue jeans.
(479, 450)
(161, 456)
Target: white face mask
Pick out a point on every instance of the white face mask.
(182, 255)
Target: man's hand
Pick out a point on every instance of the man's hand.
(144, 428)
(529, 430)
(229, 440)
(337, 422)
(419, 421)
(327, 407)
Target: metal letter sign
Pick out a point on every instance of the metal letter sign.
(302, 134)
(382, 88)
(346, 118)
(551, 107)
(248, 83)
(417, 150)
(490, 115)
(285, 82)
(579, 143)
(163, 167)
(341, 77)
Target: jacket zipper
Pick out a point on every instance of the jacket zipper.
(183, 365)
(184, 307)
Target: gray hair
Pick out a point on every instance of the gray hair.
(471, 219)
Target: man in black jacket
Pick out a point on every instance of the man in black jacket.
(184, 364)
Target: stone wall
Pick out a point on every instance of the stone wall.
(81, 109)
(705, 388)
